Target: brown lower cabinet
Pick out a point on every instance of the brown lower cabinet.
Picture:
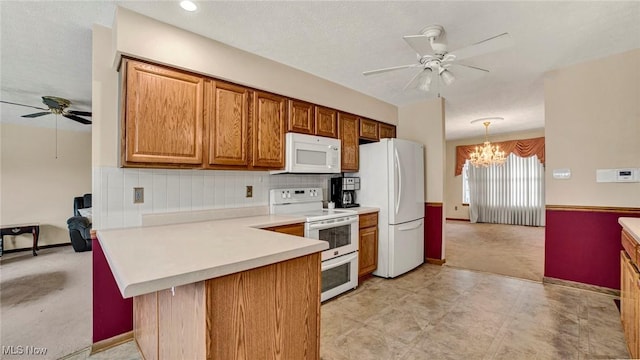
(271, 312)
(630, 296)
(292, 229)
(368, 245)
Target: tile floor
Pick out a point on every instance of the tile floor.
(439, 312)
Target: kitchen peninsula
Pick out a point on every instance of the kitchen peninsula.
(223, 289)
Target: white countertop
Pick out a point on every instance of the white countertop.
(632, 225)
(147, 259)
(365, 209)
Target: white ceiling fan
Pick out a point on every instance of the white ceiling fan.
(435, 60)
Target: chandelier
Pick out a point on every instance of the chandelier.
(487, 154)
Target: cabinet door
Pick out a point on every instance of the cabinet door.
(629, 303)
(226, 123)
(369, 129)
(301, 117)
(268, 129)
(387, 131)
(348, 134)
(326, 122)
(368, 251)
(162, 115)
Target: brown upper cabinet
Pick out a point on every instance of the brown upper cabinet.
(326, 122)
(268, 129)
(162, 118)
(348, 134)
(369, 129)
(227, 124)
(387, 131)
(301, 117)
(306, 118)
(175, 119)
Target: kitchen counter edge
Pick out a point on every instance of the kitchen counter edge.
(361, 210)
(244, 244)
(632, 225)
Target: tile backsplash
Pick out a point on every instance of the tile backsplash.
(182, 190)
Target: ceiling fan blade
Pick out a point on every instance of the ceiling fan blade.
(37, 114)
(12, 103)
(486, 46)
(379, 71)
(470, 67)
(419, 43)
(81, 113)
(77, 118)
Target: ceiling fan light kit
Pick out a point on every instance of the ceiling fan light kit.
(487, 154)
(447, 76)
(433, 55)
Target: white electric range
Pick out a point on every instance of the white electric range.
(338, 227)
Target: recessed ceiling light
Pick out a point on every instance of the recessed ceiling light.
(188, 5)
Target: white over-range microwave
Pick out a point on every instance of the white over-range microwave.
(311, 155)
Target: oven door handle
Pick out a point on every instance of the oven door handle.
(338, 222)
(339, 261)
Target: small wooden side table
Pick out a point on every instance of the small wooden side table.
(33, 228)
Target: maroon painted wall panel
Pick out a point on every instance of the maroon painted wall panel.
(584, 246)
(433, 231)
(112, 315)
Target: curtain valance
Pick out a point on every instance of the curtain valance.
(522, 148)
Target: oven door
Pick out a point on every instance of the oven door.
(339, 275)
(341, 234)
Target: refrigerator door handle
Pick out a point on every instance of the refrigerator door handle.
(399, 185)
(410, 227)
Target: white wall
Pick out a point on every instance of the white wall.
(592, 122)
(35, 186)
(423, 122)
(453, 184)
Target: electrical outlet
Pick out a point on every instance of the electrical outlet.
(138, 195)
(249, 191)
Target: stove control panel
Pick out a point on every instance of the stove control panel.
(295, 195)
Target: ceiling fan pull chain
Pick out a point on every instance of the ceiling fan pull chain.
(56, 136)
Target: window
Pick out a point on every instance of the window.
(512, 193)
(465, 183)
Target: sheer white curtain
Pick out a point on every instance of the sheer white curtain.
(509, 194)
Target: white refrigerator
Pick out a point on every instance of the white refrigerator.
(392, 178)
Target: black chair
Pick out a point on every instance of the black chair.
(80, 226)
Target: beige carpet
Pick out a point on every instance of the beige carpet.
(45, 302)
(510, 250)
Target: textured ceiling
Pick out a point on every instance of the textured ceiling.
(46, 47)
